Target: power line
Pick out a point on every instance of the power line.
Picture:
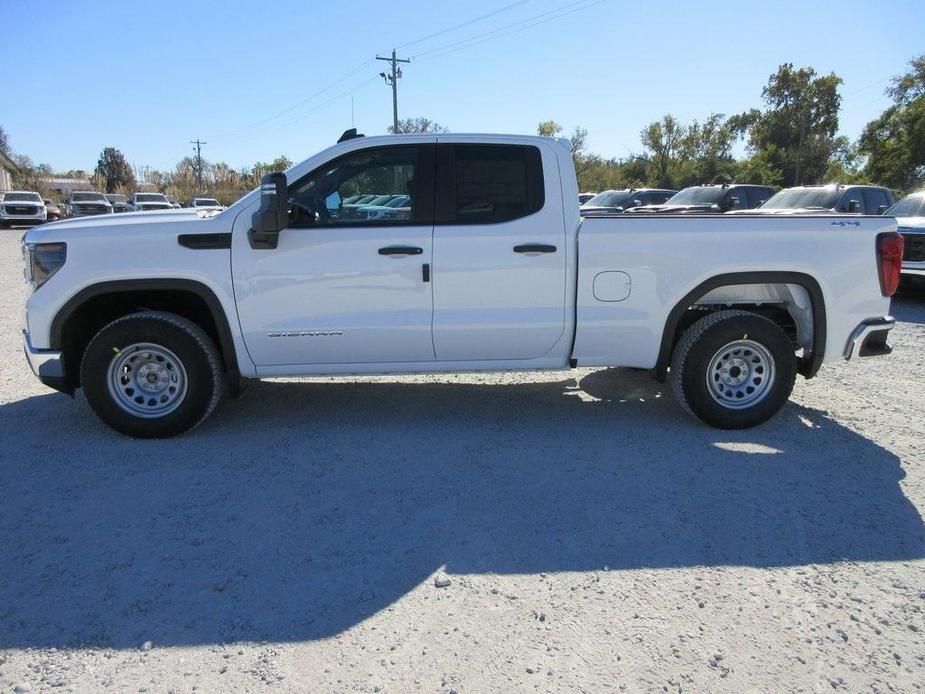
(463, 24)
(506, 30)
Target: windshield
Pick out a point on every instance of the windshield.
(88, 197)
(206, 202)
(909, 206)
(698, 196)
(150, 197)
(22, 197)
(116, 197)
(803, 199)
(610, 198)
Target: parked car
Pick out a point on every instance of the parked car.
(174, 203)
(21, 207)
(910, 216)
(712, 199)
(52, 211)
(86, 203)
(396, 207)
(119, 202)
(831, 198)
(616, 201)
(146, 202)
(205, 203)
(584, 197)
(488, 277)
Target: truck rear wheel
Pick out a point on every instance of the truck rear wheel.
(733, 369)
(152, 374)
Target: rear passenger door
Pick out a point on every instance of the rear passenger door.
(499, 257)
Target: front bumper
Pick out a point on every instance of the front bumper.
(46, 364)
(869, 338)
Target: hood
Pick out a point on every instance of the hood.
(676, 209)
(600, 209)
(916, 224)
(166, 221)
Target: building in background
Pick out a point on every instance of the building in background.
(7, 167)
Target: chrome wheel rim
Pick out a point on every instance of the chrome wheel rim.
(740, 374)
(147, 380)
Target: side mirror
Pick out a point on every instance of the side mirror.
(881, 209)
(273, 214)
(854, 206)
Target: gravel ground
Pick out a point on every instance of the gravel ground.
(593, 536)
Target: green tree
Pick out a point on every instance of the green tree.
(5, 143)
(662, 143)
(796, 133)
(894, 142)
(114, 172)
(417, 125)
(260, 169)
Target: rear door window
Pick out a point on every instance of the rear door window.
(488, 184)
(877, 200)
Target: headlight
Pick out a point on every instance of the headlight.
(42, 261)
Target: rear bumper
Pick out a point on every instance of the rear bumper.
(46, 364)
(869, 338)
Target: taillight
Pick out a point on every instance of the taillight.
(889, 261)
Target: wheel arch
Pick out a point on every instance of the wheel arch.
(813, 355)
(84, 314)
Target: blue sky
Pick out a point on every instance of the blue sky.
(245, 76)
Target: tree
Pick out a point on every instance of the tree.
(114, 172)
(5, 143)
(260, 169)
(894, 142)
(796, 134)
(662, 141)
(417, 125)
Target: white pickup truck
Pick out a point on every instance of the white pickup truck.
(492, 268)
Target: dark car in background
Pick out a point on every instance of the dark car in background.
(617, 201)
(711, 199)
(584, 197)
(827, 199)
(86, 203)
(119, 202)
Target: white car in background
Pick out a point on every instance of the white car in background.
(146, 202)
(21, 207)
(910, 221)
(206, 204)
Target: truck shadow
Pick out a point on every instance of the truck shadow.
(301, 509)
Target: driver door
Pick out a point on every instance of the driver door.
(347, 284)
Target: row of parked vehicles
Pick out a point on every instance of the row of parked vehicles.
(741, 198)
(755, 199)
(28, 207)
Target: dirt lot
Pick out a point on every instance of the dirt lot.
(595, 537)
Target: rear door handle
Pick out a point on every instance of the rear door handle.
(534, 248)
(401, 250)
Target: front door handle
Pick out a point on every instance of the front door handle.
(401, 250)
(534, 248)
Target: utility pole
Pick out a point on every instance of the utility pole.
(198, 162)
(391, 79)
(796, 177)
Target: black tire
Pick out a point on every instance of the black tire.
(693, 369)
(198, 359)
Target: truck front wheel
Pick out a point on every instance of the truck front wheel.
(733, 369)
(152, 374)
